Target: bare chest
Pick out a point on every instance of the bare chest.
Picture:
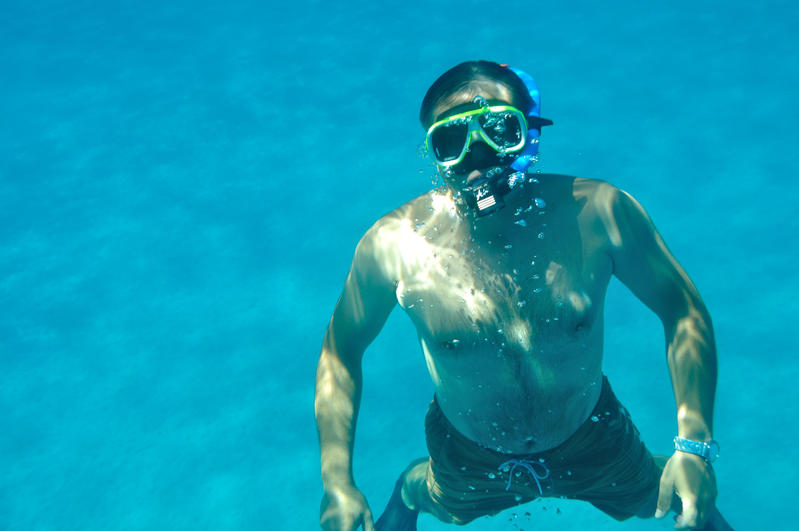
(532, 285)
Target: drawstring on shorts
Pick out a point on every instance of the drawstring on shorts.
(528, 465)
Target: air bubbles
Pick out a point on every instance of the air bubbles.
(541, 235)
(521, 223)
(540, 203)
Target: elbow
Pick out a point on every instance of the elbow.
(690, 324)
(691, 342)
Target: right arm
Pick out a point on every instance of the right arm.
(365, 303)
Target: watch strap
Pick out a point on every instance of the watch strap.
(709, 451)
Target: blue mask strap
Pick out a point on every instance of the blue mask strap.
(530, 149)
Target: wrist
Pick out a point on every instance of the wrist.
(692, 425)
(336, 475)
(331, 484)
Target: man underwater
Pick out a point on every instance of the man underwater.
(504, 272)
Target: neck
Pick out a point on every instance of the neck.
(519, 199)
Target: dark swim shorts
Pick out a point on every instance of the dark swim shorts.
(604, 463)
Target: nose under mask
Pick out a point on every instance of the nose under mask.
(480, 156)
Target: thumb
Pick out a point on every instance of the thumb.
(665, 496)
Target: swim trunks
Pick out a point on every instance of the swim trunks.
(604, 463)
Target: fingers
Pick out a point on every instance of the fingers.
(665, 494)
(689, 517)
(368, 524)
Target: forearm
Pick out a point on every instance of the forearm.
(692, 363)
(338, 394)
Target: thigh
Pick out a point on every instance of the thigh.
(624, 476)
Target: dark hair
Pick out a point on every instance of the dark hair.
(472, 72)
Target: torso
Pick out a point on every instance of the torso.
(508, 308)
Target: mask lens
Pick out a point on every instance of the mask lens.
(448, 140)
(503, 128)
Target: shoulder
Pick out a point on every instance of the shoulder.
(591, 196)
(588, 192)
(433, 207)
(604, 197)
(603, 207)
(595, 192)
(405, 231)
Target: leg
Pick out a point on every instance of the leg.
(414, 489)
(716, 522)
(410, 497)
(406, 501)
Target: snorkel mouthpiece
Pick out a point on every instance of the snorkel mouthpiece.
(486, 195)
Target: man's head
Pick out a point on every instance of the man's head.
(482, 121)
(462, 83)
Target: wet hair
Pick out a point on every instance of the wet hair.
(470, 75)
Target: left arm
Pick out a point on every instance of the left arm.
(644, 264)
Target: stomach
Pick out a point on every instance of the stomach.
(516, 400)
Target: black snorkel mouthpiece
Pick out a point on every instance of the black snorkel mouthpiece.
(486, 195)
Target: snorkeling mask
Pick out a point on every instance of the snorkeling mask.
(505, 129)
(500, 126)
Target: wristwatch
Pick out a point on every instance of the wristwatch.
(709, 451)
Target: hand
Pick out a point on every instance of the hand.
(345, 509)
(694, 482)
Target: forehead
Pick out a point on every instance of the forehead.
(466, 94)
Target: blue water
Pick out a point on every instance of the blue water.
(182, 187)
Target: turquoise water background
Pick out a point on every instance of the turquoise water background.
(182, 186)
